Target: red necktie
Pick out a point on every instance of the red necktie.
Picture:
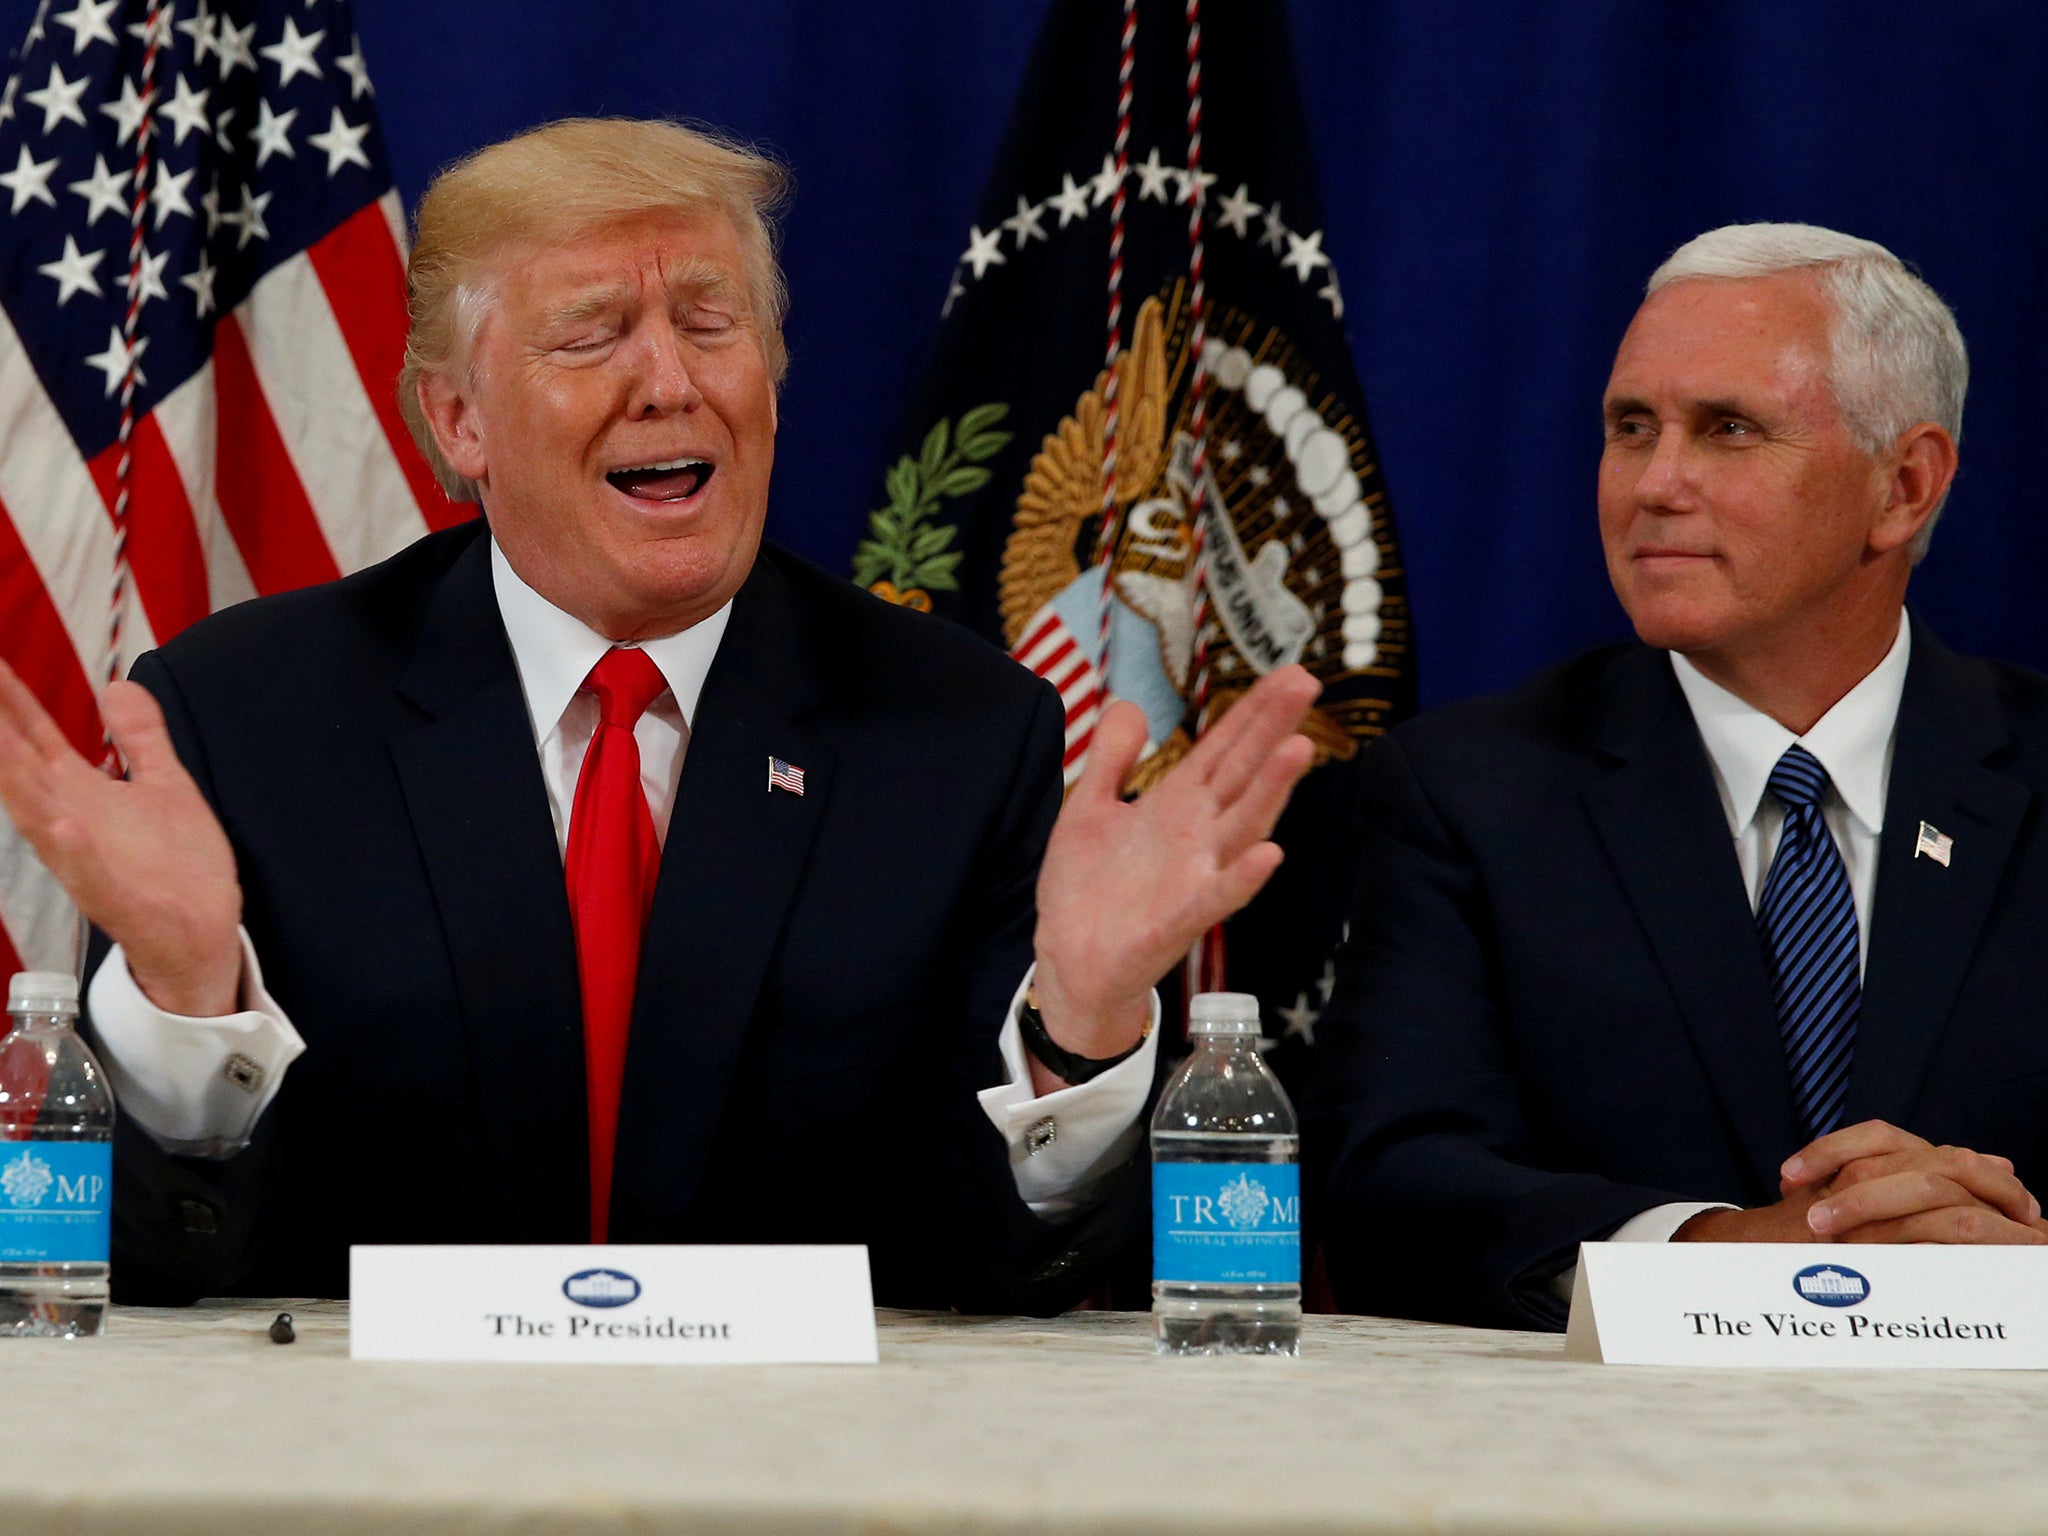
(611, 865)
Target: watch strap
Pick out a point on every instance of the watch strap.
(1056, 1058)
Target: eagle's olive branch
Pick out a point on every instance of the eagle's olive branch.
(909, 551)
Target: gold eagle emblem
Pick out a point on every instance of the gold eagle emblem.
(1293, 541)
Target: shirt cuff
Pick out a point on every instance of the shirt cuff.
(1656, 1225)
(197, 1086)
(1062, 1143)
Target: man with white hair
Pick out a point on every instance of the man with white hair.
(1739, 933)
(597, 871)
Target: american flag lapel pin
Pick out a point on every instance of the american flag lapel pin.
(1933, 842)
(788, 776)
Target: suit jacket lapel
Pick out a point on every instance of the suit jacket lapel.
(734, 853)
(1927, 916)
(1660, 819)
(473, 786)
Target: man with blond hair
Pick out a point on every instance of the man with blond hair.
(1736, 934)
(595, 871)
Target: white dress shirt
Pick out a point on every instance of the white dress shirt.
(199, 1085)
(1853, 741)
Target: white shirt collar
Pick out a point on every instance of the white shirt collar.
(555, 652)
(1852, 740)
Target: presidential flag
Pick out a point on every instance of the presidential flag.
(1139, 456)
(201, 325)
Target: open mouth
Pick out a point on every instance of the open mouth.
(670, 480)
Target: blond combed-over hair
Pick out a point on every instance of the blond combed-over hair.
(550, 184)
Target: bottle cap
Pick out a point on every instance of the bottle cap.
(43, 992)
(1223, 1013)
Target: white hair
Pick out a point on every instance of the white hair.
(1896, 357)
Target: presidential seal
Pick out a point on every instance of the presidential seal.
(1293, 544)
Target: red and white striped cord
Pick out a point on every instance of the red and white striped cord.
(1202, 969)
(1106, 540)
(155, 24)
(1206, 959)
(1198, 387)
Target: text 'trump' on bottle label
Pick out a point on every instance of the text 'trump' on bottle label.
(1226, 1223)
(54, 1201)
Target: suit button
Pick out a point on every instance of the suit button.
(1041, 1136)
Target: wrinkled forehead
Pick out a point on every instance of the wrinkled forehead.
(667, 253)
(1723, 338)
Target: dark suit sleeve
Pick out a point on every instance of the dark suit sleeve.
(1416, 1126)
(1013, 1260)
(183, 1226)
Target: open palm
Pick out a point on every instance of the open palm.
(1127, 887)
(144, 858)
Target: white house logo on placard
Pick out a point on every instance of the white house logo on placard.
(27, 1179)
(1830, 1285)
(601, 1288)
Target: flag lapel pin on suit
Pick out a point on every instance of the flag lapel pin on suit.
(1936, 844)
(788, 776)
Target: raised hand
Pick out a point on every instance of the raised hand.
(1874, 1183)
(145, 858)
(1126, 888)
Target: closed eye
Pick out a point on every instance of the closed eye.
(706, 322)
(593, 340)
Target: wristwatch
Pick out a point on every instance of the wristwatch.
(1056, 1058)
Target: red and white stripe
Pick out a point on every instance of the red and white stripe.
(1053, 651)
(282, 462)
(1106, 538)
(155, 27)
(1198, 386)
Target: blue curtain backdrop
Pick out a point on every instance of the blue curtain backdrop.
(1499, 180)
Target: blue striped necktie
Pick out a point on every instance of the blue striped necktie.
(1807, 917)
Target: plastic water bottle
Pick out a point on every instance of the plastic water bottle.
(56, 1165)
(1226, 1195)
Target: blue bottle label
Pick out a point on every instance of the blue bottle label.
(55, 1197)
(1226, 1223)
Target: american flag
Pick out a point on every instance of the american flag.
(201, 324)
(783, 775)
(1935, 843)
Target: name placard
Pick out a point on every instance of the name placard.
(1796, 1304)
(622, 1305)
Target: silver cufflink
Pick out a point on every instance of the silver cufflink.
(243, 1072)
(1041, 1136)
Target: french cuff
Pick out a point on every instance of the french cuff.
(197, 1086)
(1063, 1143)
(1659, 1224)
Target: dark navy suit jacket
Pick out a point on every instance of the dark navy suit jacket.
(1554, 1011)
(821, 988)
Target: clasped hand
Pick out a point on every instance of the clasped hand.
(1874, 1183)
